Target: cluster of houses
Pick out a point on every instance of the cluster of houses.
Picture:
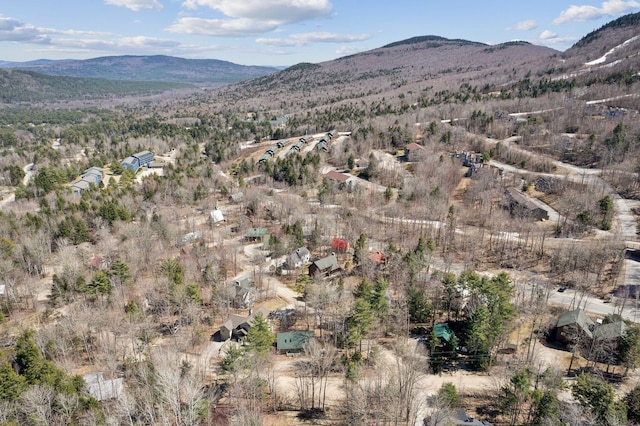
(90, 177)
(322, 145)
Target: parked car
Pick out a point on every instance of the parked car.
(561, 289)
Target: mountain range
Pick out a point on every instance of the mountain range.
(416, 64)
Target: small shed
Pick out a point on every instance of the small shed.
(340, 244)
(292, 341)
(216, 216)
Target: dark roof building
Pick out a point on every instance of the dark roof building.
(325, 266)
(522, 206)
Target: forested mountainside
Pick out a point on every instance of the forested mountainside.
(210, 72)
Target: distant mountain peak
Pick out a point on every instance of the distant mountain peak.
(433, 39)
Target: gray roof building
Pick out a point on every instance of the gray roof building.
(325, 266)
(102, 389)
(572, 325)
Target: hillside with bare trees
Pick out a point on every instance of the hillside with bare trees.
(431, 232)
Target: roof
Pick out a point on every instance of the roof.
(237, 197)
(82, 184)
(216, 216)
(256, 232)
(337, 176)
(378, 257)
(143, 155)
(129, 160)
(329, 262)
(610, 331)
(95, 170)
(576, 317)
(243, 282)
(292, 340)
(102, 389)
(234, 321)
(459, 417)
(413, 146)
(443, 331)
(340, 243)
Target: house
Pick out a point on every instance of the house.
(457, 417)
(238, 326)
(236, 198)
(361, 163)
(98, 263)
(255, 234)
(343, 180)
(574, 325)
(93, 175)
(322, 145)
(81, 185)
(130, 163)
(443, 332)
(102, 389)
(414, 152)
(298, 258)
(378, 258)
(135, 161)
(292, 341)
(325, 266)
(216, 216)
(340, 245)
(520, 205)
(244, 296)
(190, 237)
(235, 326)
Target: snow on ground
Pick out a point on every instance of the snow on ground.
(603, 58)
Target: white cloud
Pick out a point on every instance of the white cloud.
(221, 27)
(284, 11)
(547, 35)
(249, 17)
(303, 39)
(587, 13)
(137, 5)
(527, 25)
(13, 30)
(549, 38)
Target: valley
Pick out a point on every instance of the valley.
(401, 236)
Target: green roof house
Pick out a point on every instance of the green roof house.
(292, 341)
(443, 332)
(255, 234)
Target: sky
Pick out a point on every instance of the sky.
(282, 32)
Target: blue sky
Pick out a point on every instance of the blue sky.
(282, 32)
